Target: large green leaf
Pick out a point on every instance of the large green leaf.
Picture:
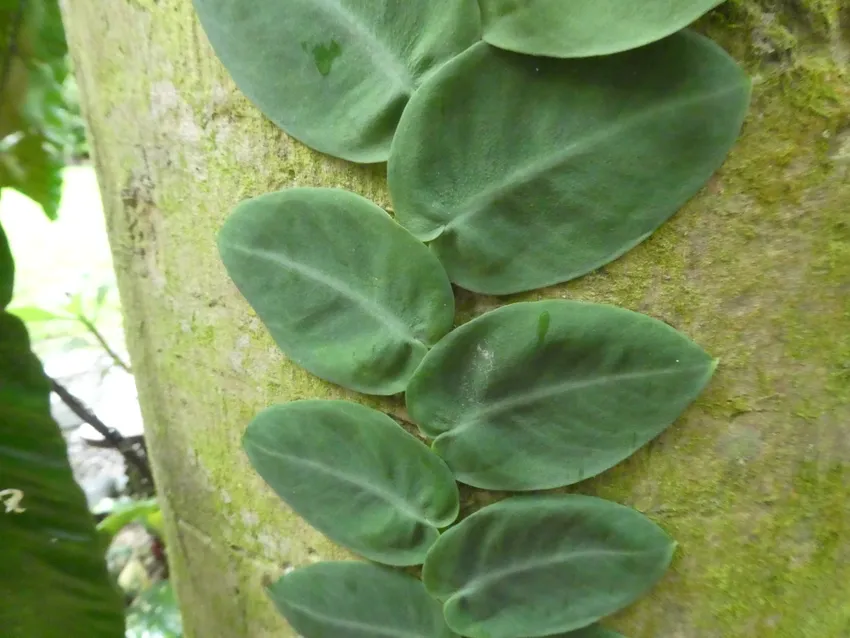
(526, 172)
(582, 28)
(534, 566)
(356, 476)
(53, 578)
(544, 394)
(357, 600)
(345, 291)
(7, 270)
(336, 74)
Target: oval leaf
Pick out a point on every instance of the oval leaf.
(336, 74)
(357, 600)
(346, 292)
(582, 28)
(527, 172)
(545, 394)
(353, 474)
(534, 566)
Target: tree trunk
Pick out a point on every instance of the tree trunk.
(752, 482)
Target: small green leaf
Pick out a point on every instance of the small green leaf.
(7, 271)
(512, 412)
(583, 28)
(356, 476)
(535, 566)
(346, 292)
(357, 600)
(33, 314)
(33, 167)
(336, 74)
(127, 513)
(525, 172)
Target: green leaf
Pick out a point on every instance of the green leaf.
(155, 614)
(345, 291)
(126, 513)
(514, 409)
(33, 167)
(356, 476)
(337, 74)
(565, 164)
(582, 28)
(53, 574)
(357, 600)
(33, 314)
(535, 566)
(7, 271)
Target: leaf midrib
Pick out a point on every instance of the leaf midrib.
(558, 558)
(354, 624)
(377, 48)
(565, 387)
(539, 167)
(389, 497)
(392, 322)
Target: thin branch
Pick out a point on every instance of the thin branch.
(104, 344)
(111, 435)
(12, 46)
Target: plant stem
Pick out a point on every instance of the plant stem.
(102, 341)
(112, 436)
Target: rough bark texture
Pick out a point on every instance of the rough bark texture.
(753, 482)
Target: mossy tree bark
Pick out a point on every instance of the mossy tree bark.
(753, 482)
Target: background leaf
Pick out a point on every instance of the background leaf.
(565, 164)
(125, 513)
(155, 614)
(582, 28)
(357, 600)
(356, 476)
(513, 407)
(34, 314)
(38, 130)
(345, 291)
(53, 574)
(534, 566)
(336, 74)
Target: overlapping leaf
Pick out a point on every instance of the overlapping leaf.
(345, 291)
(355, 476)
(336, 74)
(544, 394)
(357, 600)
(526, 172)
(582, 28)
(535, 566)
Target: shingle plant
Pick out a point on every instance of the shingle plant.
(529, 142)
